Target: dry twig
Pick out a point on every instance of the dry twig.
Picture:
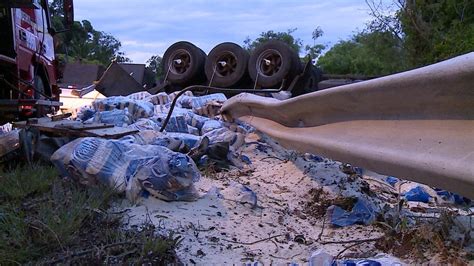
(254, 242)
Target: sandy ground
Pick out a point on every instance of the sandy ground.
(220, 230)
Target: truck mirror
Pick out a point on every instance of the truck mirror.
(68, 7)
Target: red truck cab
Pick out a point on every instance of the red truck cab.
(28, 68)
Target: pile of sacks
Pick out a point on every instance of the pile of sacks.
(163, 164)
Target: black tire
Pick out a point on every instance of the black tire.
(233, 71)
(40, 87)
(313, 81)
(41, 90)
(183, 63)
(274, 61)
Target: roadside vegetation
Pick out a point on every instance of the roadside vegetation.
(45, 219)
(401, 35)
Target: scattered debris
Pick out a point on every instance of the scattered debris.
(437, 240)
(392, 180)
(9, 142)
(240, 193)
(235, 195)
(362, 212)
(417, 194)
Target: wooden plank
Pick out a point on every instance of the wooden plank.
(86, 126)
(111, 133)
(60, 117)
(76, 128)
(28, 102)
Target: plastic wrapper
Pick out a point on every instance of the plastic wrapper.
(178, 121)
(141, 95)
(210, 125)
(240, 193)
(6, 128)
(85, 113)
(160, 99)
(186, 101)
(136, 108)
(211, 109)
(452, 197)
(237, 128)
(417, 194)
(119, 118)
(144, 137)
(235, 139)
(173, 95)
(129, 168)
(190, 140)
(202, 101)
(145, 124)
(392, 180)
(193, 130)
(151, 137)
(177, 124)
(196, 120)
(322, 258)
(9, 141)
(362, 213)
(176, 111)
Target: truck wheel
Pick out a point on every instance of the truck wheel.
(273, 61)
(183, 63)
(312, 83)
(40, 87)
(40, 91)
(229, 61)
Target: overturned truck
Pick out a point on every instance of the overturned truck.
(272, 64)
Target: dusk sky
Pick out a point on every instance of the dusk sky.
(147, 27)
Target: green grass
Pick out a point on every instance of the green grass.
(45, 219)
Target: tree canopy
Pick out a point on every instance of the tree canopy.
(84, 42)
(366, 53)
(402, 35)
(312, 51)
(287, 37)
(154, 65)
(436, 30)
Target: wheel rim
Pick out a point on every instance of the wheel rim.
(226, 64)
(180, 61)
(269, 63)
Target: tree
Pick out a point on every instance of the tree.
(404, 34)
(371, 53)
(430, 31)
(287, 37)
(155, 65)
(437, 30)
(84, 42)
(315, 50)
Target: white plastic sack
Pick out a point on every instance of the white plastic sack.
(141, 95)
(129, 168)
(144, 124)
(223, 134)
(9, 140)
(136, 108)
(144, 137)
(210, 125)
(119, 118)
(202, 101)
